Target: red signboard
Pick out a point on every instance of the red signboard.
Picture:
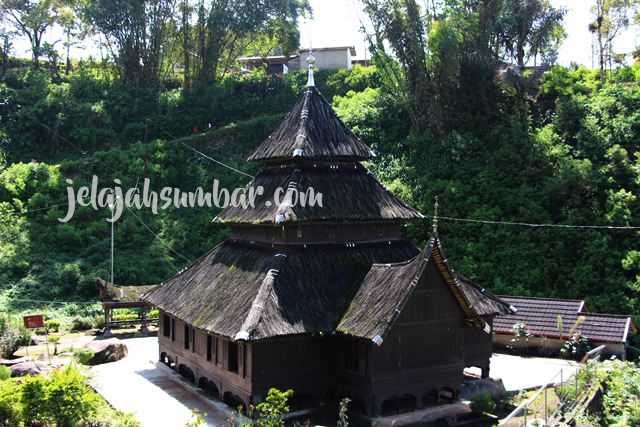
(33, 322)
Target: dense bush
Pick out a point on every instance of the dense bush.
(83, 355)
(81, 323)
(482, 403)
(52, 325)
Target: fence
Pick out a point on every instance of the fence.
(561, 399)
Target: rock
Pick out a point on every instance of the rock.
(37, 340)
(106, 351)
(92, 332)
(11, 362)
(43, 357)
(493, 386)
(24, 369)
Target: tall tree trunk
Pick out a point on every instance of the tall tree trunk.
(185, 47)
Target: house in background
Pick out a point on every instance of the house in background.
(540, 317)
(326, 299)
(330, 58)
(275, 64)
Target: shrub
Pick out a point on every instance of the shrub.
(5, 373)
(52, 325)
(127, 316)
(10, 407)
(83, 355)
(153, 314)
(274, 408)
(10, 342)
(81, 323)
(64, 399)
(482, 403)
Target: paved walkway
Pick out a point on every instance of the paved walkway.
(155, 397)
(518, 372)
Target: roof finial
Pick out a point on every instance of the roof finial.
(311, 60)
(435, 216)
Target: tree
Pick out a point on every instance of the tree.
(527, 28)
(225, 30)
(140, 35)
(32, 18)
(612, 17)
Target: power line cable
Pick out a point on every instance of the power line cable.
(199, 152)
(158, 237)
(524, 224)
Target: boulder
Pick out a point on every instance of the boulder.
(106, 351)
(24, 369)
(473, 387)
(11, 362)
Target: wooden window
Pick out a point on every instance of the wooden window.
(232, 357)
(355, 357)
(193, 339)
(209, 347)
(173, 329)
(186, 336)
(166, 325)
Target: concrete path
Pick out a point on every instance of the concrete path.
(156, 397)
(519, 373)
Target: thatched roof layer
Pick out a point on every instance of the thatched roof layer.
(258, 291)
(125, 294)
(386, 289)
(313, 128)
(349, 193)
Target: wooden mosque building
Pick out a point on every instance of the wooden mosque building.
(327, 300)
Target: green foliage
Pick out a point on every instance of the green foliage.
(81, 323)
(83, 355)
(576, 346)
(10, 404)
(197, 418)
(273, 409)
(64, 398)
(52, 325)
(343, 418)
(5, 372)
(125, 317)
(482, 403)
(12, 336)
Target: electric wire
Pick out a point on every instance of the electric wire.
(199, 152)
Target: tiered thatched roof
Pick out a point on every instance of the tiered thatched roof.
(387, 288)
(251, 291)
(349, 193)
(313, 128)
(260, 291)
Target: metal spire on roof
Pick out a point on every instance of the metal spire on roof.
(435, 216)
(311, 60)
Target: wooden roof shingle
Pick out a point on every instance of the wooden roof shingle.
(386, 289)
(312, 130)
(349, 193)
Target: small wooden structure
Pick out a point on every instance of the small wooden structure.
(113, 297)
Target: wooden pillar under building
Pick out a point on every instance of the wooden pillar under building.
(107, 319)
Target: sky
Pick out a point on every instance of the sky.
(338, 23)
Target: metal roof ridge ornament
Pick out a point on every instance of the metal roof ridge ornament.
(435, 216)
(311, 60)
